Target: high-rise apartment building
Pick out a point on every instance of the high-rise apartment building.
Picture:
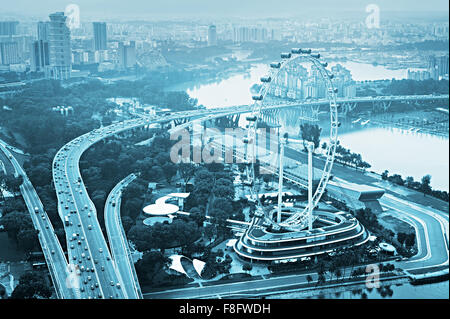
(127, 55)
(100, 38)
(8, 27)
(39, 56)
(246, 34)
(43, 30)
(212, 35)
(9, 53)
(59, 48)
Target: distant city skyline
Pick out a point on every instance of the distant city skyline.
(137, 9)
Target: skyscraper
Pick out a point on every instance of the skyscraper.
(100, 40)
(442, 64)
(9, 53)
(39, 56)
(438, 66)
(43, 30)
(8, 27)
(59, 48)
(127, 55)
(212, 35)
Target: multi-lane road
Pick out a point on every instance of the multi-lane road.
(87, 246)
(53, 252)
(118, 241)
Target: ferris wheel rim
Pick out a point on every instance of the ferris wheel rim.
(331, 96)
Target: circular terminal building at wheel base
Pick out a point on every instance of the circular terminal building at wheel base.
(332, 231)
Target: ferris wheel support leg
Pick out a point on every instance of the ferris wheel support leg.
(280, 183)
(310, 147)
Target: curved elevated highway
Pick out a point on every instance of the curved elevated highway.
(118, 241)
(51, 247)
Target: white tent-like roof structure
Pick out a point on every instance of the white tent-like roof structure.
(161, 208)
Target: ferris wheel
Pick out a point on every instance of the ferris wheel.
(270, 88)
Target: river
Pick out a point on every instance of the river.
(394, 291)
(399, 151)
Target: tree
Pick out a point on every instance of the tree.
(15, 222)
(187, 171)
(401, 237)
(2, 292)
(309, 279)
(13, 183)
(266, 178)
(410, 240)
(338, 273)
(109, 168)
(224, 205)
(169, 170)
(151, 266)
(310, 132)
(409, 182)
(425, 187)
(210, 231)
(27, 239)
(321, 279)
(197, 215)
(32, 285)
(127, 223)
(247, 267)
(140, 236)
(384, 175)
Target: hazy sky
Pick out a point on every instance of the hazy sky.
(216, 8)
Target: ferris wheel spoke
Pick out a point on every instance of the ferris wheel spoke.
(270, 94)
